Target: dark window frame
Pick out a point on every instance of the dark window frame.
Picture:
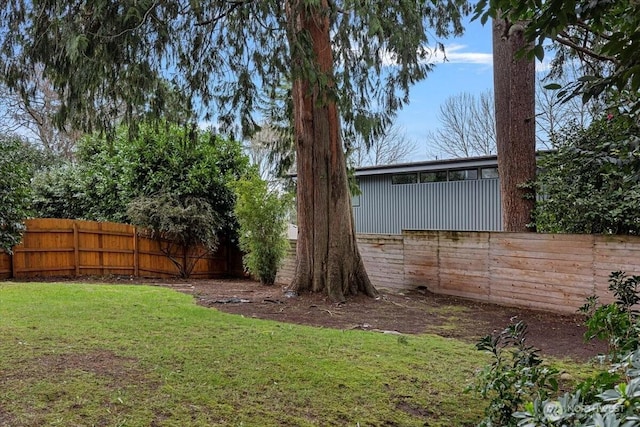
(465, 178)
(398, 175)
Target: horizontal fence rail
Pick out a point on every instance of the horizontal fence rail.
(69, 248)
(553, 272)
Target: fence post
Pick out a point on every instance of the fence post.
(76, 248)
(136, 253)
(12, 267)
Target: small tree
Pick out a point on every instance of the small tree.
(262, 215)
(187, 229)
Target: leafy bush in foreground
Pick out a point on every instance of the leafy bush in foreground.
(611, 398)
(515, 376)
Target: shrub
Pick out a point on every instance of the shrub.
(158, 159)
(262, 215)
(15, 193)
(591, 184)
(610, 398)
(515, 377)
(616, 405)
(186, 229)
(59, 192)
(616, 323)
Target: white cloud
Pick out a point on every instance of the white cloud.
(454, 53)
(457, 54)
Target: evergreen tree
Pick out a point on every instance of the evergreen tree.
(345, 58)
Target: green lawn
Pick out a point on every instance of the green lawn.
(81, 355)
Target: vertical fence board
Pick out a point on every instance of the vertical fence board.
(62, 247)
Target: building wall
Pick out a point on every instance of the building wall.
(386, 208)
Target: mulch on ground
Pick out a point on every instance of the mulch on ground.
(412, 312)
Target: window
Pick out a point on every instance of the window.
(405, 178)
(463, 175)
(437, 176)
(489, 173)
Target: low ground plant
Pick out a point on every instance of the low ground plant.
(616, 323)
(515, 376)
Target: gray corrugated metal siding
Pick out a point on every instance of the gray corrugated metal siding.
(472, 205)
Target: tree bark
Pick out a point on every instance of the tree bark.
(327, 257)
(514, 86)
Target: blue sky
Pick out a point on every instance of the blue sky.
(469, 69)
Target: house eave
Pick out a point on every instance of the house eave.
(431, 165)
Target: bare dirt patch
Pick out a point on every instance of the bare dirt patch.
(413, 312)
(118, 370)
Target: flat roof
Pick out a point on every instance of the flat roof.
(429, 165)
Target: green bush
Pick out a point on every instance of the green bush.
(157, 160)
(591, 184)
(515, 376)
(617, 323)
(59, 192)
(15, 193)
(262, 215)
(610, 398)
(187, 229)
(617, 404)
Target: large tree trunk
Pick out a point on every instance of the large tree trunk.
(514, 86)
(327, 258)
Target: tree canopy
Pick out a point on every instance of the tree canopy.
(348, 58)
(105, 57)
(602, 34)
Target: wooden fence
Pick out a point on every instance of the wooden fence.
(62, 247)
(554, 272)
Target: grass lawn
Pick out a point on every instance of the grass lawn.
(81, 355)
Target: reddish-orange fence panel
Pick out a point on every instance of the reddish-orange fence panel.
(64, 247)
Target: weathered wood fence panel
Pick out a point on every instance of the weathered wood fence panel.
(64, 247)
(383, 257)
(546, 271)
(553, 272)
(463, 264)
(421, 259)
(288, 268)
